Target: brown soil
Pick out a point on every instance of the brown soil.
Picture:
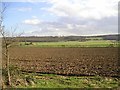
(67, 61)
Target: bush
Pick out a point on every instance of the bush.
(29, 43)
(111, 45)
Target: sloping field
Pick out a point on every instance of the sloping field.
(67, 61)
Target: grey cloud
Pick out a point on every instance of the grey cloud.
(77, 26)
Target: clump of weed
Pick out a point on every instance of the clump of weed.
(18, 78)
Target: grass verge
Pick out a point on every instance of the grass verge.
(59, 81)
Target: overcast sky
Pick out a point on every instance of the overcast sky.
(63, 17)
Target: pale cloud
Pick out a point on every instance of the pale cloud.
(33, 21)
(79, 27)
(77, 17)
(93, 9)
(24, 9)
(34, 16)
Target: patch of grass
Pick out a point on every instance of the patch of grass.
(59, 81)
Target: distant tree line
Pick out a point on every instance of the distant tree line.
(67, 38)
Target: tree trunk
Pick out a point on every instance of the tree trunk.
(7, 67)
(8, 71)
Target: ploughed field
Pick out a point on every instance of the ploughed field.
(67, 61)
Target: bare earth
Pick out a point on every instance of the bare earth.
(67, 61)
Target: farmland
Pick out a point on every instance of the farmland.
(66, 64)
(67, 61)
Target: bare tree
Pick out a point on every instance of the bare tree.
(8, 39)
(4, 40)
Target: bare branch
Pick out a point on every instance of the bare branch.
(2, 11)
(7, 38)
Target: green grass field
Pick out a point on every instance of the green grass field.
(91, 43)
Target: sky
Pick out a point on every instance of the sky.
(62, 17)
